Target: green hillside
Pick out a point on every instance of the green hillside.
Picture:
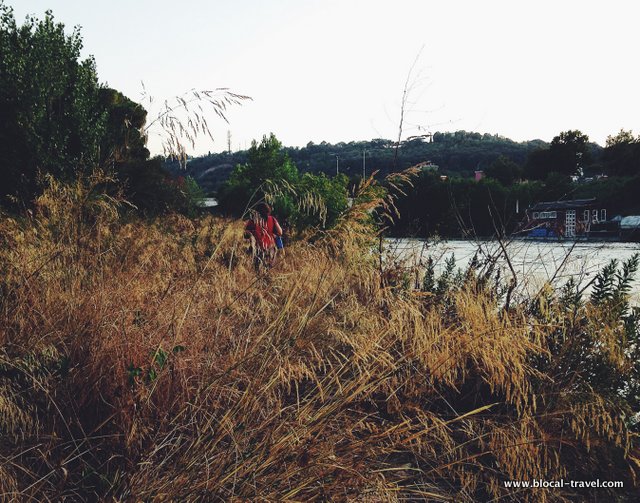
(459, 153)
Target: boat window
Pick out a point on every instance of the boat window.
(603, 215)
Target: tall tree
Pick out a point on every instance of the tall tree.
(622, 138)
(123, 139)
(266, 162)
(567, 155)
(269, 173)
(569, 152)
(622, 154)
(49, 100)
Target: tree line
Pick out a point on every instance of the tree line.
(59, 121)
(444, 200)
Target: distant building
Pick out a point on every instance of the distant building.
(564, 219)
(209, 204)
(587, 179)
(427, 166)
(479, 175)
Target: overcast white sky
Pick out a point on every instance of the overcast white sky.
(335, 70)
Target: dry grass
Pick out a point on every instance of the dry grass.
(146, 361)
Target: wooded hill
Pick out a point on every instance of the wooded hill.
(445, 199)
(459, 153)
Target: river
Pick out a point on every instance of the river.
(534, 262)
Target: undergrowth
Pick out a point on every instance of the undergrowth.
(147, 361)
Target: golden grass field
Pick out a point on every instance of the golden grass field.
(147, 361)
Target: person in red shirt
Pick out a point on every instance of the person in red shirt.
(261, 229)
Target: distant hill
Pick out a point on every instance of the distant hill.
(459, 153)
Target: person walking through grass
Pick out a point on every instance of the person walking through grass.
(262, 229)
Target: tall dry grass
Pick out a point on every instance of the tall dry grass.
(147, 361)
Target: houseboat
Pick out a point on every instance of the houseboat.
(572, 219)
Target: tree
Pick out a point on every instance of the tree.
(622, 138)
(49, 101)
(333, 194)
(269, 174)
(622, 154)
(569, 152)
(538, 165)
(267, 166)
(123, 139)
(504, 170)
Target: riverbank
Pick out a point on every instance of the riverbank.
(535, 262)
(146, 360)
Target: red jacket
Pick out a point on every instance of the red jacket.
(263, 231)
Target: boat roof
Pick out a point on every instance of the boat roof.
(630, 222)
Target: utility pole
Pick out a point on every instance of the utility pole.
(364, 171)
(337, 163)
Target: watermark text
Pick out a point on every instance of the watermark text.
(564, 483)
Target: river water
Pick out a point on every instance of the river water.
(534, 262)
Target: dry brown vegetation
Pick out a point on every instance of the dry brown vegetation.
(147, 361)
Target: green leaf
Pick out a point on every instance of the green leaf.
(133, 372)
(160, 357)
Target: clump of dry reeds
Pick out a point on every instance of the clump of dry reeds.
(147, 361)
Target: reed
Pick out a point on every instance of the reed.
(147, 361)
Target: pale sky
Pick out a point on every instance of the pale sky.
(335, 70)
